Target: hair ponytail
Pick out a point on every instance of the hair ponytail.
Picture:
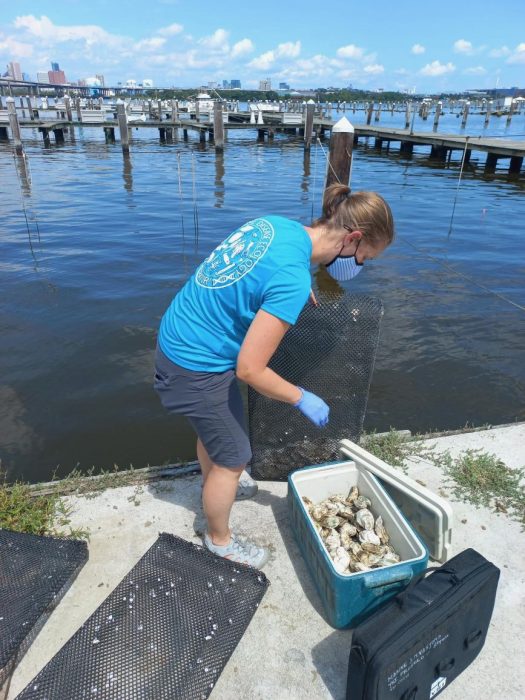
(364, 211)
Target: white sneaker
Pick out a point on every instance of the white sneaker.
(239, 551)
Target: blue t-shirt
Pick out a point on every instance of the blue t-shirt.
(264, 264)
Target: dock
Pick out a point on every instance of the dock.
(308, 124)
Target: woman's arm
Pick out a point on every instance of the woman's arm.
(262, 340)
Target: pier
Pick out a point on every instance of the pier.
(214, 125)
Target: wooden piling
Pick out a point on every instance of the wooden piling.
(174, 111)
(77, 108)
(59, 135)
(185, 134)
(123, 125)
(45, 137)
(515, 164)
(109, 133)
(466, 109)
(511, 112)
(437, 115)
(309, 124)
(340, 157)
(491, 162)
(202, 135)
(159, 107)
(369, 115)
(407, 148)
(378, 112)
(490, 103)
(407, 115)
(197, 110)
(30, 108)
(218, 125)
(14, 124)
(69, 112)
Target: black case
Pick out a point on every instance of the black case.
(414, 646)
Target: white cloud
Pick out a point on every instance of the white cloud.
(350, 51)
(241, 48)
(499, 53)
(518, 55)
(436, 68)
(475, 70)
(171, 29)
(289, 50)
(16, 49)
(374, 69)
(263, 62)
(50, 33)
(152, 44)
(417, 49)
(463, 46)
(218, 41)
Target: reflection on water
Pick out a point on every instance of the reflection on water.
(82, 295)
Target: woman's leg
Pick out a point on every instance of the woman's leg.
(218, 495)
(204, 460)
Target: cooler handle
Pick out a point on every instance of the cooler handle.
(386, 578)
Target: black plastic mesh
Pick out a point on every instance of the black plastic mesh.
(35, 572)
(330, 351)
(165, 632)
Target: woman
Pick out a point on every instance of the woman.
(228, 320)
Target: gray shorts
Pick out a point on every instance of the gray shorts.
(213, 405)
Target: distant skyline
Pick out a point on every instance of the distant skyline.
(444, 46)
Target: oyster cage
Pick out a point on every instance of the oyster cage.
(35, 573)
(330, 351)
(165, 632)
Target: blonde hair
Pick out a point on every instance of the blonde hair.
(364, 211)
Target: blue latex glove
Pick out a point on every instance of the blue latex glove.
(313, 408)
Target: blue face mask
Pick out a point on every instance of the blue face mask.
(345, 267)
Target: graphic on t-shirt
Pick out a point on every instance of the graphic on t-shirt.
(236, 255)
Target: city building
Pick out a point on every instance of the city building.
(56, 77)
(42, 77)
(235, 84)
(26, 77)
(14, 71)
(100, 79)
(226, 85)
(284, 86)
(55, 66)
(265, 85)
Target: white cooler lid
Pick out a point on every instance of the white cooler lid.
(430, 515)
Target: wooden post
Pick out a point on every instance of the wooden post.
(59, 135)
(378, 112)
(202, 135)
(77, 107)
(109, 133)
(369, 115)
(407, 115)
(197, 110)
(511, 112)
(488, 112)
(407, 147)
(437, 115)
(123, 125)
(185, 134)
(30, 108)
(218, 125)
(13, 123)
(309, 124)
(491, 162)
(465, 114)
(67, 102)
(378, 143)
(515, 164)
(174, 111)
(340, 158)
(45, 136)
(159, 107)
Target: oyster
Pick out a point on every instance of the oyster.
(346, 511)
(372, 548)
(358, 566)
(319, 511)
(347, 531)
(355, 549)
(333, 541)
(369, 536)
(341, 560)
(365, 519)
(362, 502)
(354, 493)
(380, 531)
(331, 521)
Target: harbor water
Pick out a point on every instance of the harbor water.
(93, 246)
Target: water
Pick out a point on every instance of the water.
(82, 296)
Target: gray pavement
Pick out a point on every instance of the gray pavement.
(289, 651)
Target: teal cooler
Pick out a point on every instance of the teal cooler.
(349, 598)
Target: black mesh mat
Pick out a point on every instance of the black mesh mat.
(35, 572)
(330, 351)
(164, 633)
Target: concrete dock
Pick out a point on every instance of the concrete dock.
(289, 651)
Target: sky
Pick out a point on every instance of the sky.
(445, 45)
